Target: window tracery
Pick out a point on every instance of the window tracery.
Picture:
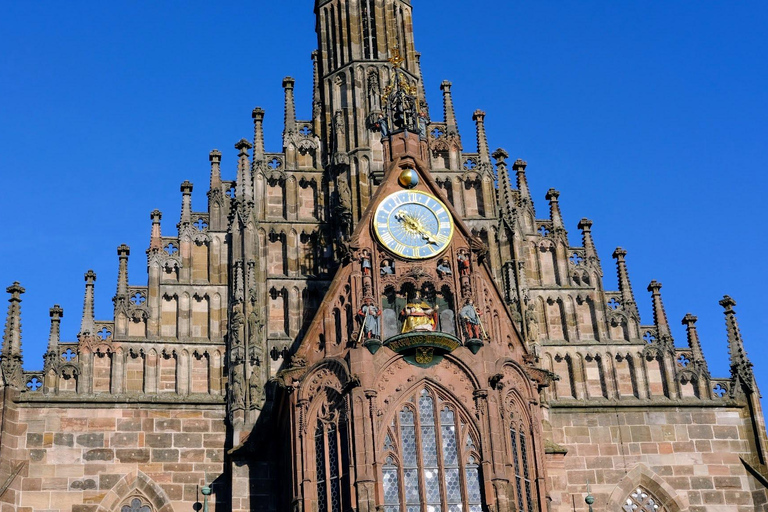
(519, 434)
(136, 505)
(642, 501)
(430, 458)
(332, 456)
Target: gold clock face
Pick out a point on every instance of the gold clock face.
(412, 224)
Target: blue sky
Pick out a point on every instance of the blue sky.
(649, 117)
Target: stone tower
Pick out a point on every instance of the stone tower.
(374, 319)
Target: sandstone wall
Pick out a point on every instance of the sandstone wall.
(689, 458)
(84, 457)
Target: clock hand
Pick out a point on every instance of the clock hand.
(415, 225)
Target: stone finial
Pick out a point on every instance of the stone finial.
(290, 107)
(506, 203)
(659, 315)
(258, 133)
(625, 287)
(88, 325)
(554, 209)
(122, 271)
(57, 313)
(448, 112)
(689, 321)
(482, 140)
(741, 366)
(11, 371)
(215, 158)
(242, 146)
(156, 237)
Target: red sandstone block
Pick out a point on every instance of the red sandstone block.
(196, 425)
(713, 497)
(192, 455)
(174, 491)
(102, 424)
(167, 425)
(665, 448)
(74, 424)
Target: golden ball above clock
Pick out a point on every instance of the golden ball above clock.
(408, 178)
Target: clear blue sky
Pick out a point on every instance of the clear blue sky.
(649, 116)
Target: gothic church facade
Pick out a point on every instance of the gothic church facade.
(375, 319)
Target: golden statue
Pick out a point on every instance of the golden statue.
(418, 316)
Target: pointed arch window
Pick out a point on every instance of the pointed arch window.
(431, 462)
(521, 451)
(642, 501)
(332, 463)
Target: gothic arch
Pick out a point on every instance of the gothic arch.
(135, 484)
(330, 372)
(428, 431)
(642, 476)
(437, 389)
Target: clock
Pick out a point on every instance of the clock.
(413, 224)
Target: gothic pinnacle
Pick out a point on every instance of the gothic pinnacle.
(258, 133)
(122, 271)
(482, 140)
(12, 334)
(505, 186)
(186, 203)
(689, 321)
(448, 113)
(215, 158)
(290, 108)
(554, 209)
(156, 239)
(57, 313)
(243, 190)
(522, 182)
(87, 325)
(741, 366)
(10, 352)
(625, 287)
(585, 225)
(659, 315)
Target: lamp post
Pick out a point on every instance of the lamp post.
(589, 500)
(206, 491)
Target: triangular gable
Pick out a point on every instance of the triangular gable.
(336, 324)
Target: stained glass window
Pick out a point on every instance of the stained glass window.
(331, 462)
(642, 501)
(524, 485)
(435, 467)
